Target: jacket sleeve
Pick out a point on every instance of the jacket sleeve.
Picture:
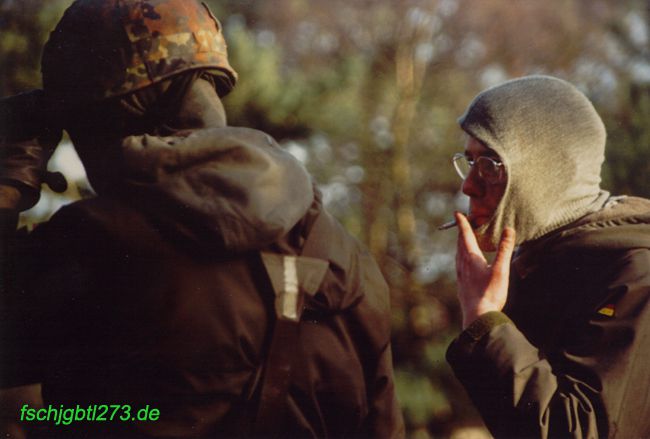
(22, 165)
(28, 137)
(385, 419)
(384, 414)
(594, 385)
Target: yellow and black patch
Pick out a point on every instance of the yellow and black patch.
(608, 310)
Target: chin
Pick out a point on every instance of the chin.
(484, 243)
(476, 220)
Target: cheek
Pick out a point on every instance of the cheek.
(494, 195)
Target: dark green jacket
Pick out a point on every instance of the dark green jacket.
(161, 295)
(568, 357)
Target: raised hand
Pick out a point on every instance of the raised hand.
(481, 287)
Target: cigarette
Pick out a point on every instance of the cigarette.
(448, 225)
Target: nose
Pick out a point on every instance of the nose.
(473, 186)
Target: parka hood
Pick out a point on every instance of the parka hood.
(233, 185)
(195, 177)
(552, 143)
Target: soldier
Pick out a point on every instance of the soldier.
(205, 281)
(554, 344)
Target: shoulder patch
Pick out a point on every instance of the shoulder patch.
(608, 310)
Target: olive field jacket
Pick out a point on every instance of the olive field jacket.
(569, 355)
(162, 294)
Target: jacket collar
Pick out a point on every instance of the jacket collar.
(622, 223)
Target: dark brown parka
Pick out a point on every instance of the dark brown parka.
(568, 355)
(164, 293)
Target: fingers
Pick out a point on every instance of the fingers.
(466, 237)
(501, 263)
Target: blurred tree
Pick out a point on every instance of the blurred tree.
(628, 153)
(25, 26)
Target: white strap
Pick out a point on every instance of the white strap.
(290, 293)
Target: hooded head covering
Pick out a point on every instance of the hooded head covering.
(552, 143)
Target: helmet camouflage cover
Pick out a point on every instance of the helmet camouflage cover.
(107, 48)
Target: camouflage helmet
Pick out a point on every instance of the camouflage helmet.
(106, 48)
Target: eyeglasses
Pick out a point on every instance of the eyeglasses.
(489, 169)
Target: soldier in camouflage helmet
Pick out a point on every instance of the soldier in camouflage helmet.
(134, 45)
(205, 280)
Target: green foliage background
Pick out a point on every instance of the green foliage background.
(366, 94)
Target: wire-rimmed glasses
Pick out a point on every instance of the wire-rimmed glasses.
(489, 169)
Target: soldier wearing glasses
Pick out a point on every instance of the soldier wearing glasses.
(554, 342)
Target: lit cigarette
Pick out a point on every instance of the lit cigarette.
(448, 225)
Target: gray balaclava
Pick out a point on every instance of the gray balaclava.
(552, 143)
